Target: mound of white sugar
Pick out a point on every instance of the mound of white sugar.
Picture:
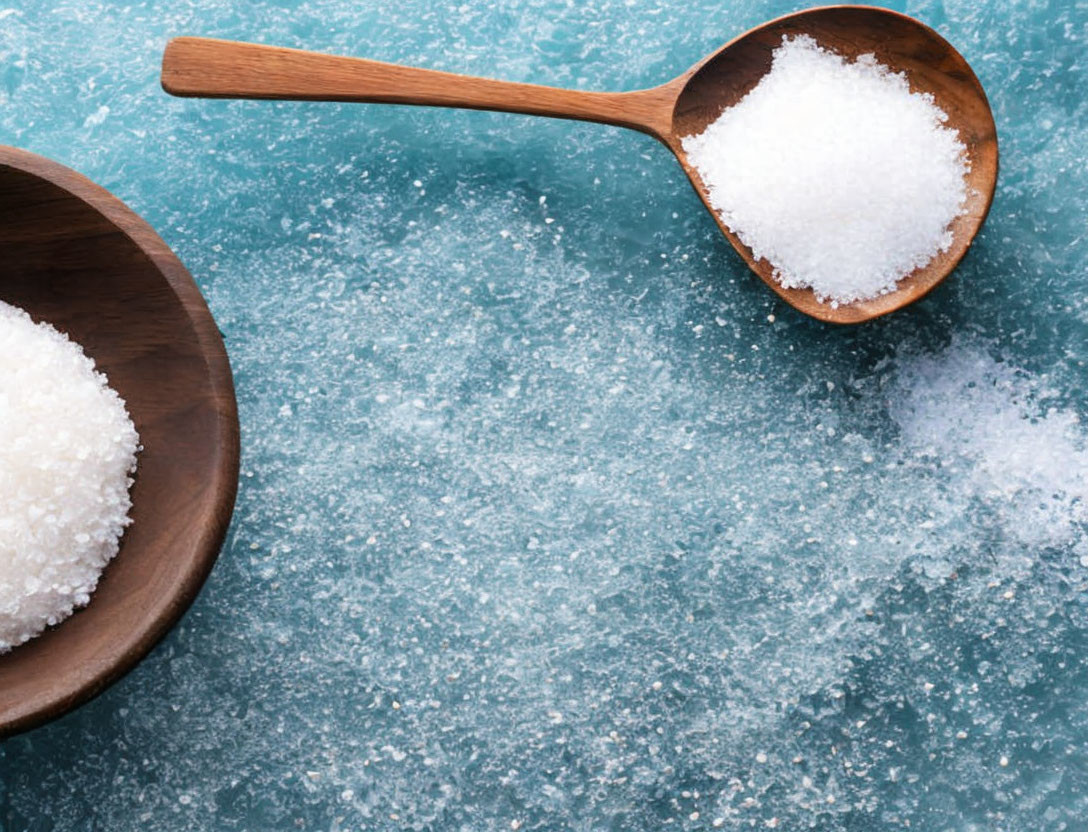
(67, 450)
(834, 172)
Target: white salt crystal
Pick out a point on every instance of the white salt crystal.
(834, 172)
(67, 449)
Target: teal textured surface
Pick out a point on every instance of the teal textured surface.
(552, 516)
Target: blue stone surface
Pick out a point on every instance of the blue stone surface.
(552, 516)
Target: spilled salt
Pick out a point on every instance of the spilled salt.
(67, 452)
(1019, 455)
(834, 172)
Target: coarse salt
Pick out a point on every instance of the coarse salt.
(67, 452)
(834, 172)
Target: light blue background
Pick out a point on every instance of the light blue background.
(554, 528)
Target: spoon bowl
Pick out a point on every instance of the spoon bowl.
(682, 107)
(76, 257)
(899, 42)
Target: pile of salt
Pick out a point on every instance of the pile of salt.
(835, 172)
(67, 452)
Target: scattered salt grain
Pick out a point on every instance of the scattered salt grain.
(67, 449)
(834, 172)
(1017, 452)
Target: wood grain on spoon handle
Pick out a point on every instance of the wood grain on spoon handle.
(208, 68)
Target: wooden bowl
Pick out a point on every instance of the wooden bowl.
(75, 256)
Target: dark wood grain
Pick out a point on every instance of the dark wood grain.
(679, 108)
(75, 256)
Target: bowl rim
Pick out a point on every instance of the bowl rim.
(93, 680)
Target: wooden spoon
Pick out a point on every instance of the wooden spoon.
(680, 108)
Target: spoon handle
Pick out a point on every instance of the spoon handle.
(208, 68)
